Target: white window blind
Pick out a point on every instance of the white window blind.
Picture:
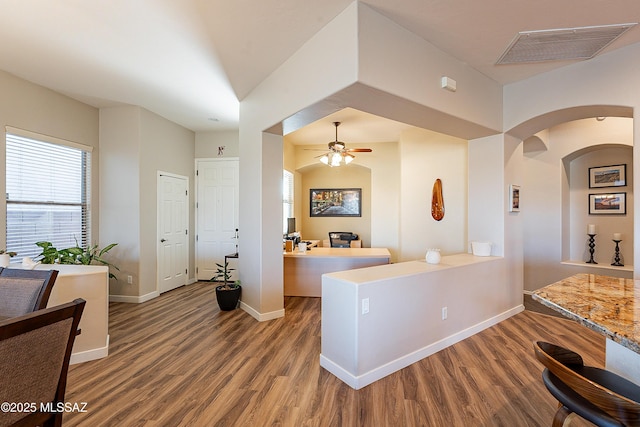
(48, 193)
(287, 198)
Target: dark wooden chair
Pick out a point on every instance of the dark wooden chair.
(595, 394)
(34, 361)
(24, 291)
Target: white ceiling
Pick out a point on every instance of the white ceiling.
(191, 60)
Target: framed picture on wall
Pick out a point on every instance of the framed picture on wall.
(608, 176)
(608, 204)
(514, 198)
(329, 202)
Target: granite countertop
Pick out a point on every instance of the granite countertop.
(607, 305)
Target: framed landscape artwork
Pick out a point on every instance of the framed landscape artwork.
(514, 198)
(608, 176)
(608, 204)
(331, 202)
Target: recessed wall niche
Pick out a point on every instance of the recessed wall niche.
(579, 217)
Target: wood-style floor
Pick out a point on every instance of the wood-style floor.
(179, 361)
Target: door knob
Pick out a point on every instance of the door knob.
(163, 240)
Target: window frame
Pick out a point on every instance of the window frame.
(15, 135)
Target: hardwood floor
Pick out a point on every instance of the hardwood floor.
(179, 361)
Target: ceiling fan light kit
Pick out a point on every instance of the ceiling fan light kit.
(339, 153)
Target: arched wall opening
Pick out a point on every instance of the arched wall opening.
(402, 173)
(580, 194)
(555, 192)
(323, 177)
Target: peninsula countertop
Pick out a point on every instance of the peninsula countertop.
(607, 305)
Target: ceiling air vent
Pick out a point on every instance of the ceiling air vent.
(561, 44)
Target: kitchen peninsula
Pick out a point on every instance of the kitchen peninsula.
(607, 305)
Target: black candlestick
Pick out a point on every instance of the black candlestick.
(592, 245)
(617, 261)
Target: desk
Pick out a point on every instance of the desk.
(310, 244)
(607, 305)
(303, 270)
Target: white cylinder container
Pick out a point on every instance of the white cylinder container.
(433, 256)
(481, 248)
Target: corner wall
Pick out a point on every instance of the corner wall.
(136, 144)
(299, 88)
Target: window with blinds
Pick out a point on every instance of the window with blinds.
(48, 194)
(287, 198)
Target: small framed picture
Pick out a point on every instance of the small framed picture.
(514, 198)
(608, 176)
(608, 204)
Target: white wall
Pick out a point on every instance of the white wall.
(208, 143)
(173, 151)
(554, 198)
(301, 81)
(304, 84)
(31, 107)
(136, 144)
(120, 192)
(404, 323)
(424, 157)
(608, 82)
(415, 75)
(487, 192)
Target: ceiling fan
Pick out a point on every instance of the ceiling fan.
(339, 153)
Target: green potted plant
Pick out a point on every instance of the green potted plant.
(76, 255)
(227, 294)
(5, 257)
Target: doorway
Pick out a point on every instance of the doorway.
(217, 189)
(173, 231)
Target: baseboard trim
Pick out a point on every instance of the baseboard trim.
(360, 381)
(261, 317)
(94, 354)
(134, 299)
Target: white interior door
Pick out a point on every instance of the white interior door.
(173, 231)
(217, 214)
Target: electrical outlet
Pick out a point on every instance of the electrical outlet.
(444, 313)
(365, 305)
(129, 279)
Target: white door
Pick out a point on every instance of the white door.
(217, 214)
(173, 231)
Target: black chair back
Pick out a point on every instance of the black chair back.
(341, 239)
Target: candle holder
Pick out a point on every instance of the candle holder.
(617, 258)
(592, 245)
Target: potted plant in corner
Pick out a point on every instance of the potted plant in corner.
(5, 257)
(227, 294)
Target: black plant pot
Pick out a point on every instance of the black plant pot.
(228, 298)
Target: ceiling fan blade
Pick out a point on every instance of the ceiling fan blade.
(359, 150)
(315, 149)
